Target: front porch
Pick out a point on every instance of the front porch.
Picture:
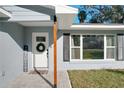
(37, 80)
(17, 32)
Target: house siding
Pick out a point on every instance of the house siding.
(11, 52)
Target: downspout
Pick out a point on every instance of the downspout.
(55, 50)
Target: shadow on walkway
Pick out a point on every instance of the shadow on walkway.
(47, 81)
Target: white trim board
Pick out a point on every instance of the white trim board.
(36, 23)
(4, 13)
(98, 27)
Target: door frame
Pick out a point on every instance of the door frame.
(48, 50)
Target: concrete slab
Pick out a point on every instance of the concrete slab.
(27, 80)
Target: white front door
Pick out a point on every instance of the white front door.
(40, 49)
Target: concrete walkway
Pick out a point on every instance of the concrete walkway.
(27, 80)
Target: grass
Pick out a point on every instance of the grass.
(97, 78)
(93, 54)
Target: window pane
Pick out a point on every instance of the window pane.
(75, 53)
(93, 47)
(75, 40)
(110, 53)
(110, 40)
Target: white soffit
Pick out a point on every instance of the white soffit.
(4, 13)
(16, 18)
(45, 9)
(98, 27)
(36, 23)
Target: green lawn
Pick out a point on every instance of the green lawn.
(97, 78)
(93, 54)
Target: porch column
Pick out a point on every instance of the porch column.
(55, 50)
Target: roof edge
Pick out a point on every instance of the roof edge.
(65, 9)
(5, 13)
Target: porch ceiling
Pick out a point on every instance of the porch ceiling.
(46, 9)
(24, 14)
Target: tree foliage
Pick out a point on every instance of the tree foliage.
(82, 16)
(102, 13)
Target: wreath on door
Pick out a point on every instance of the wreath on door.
(39, 49)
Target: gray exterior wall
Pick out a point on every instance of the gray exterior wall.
(68, 65)
(85, 64)
(11, 52)
(13, 37)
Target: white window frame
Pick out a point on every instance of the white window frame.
(75, 47)
(111, 47)
(81, 47)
